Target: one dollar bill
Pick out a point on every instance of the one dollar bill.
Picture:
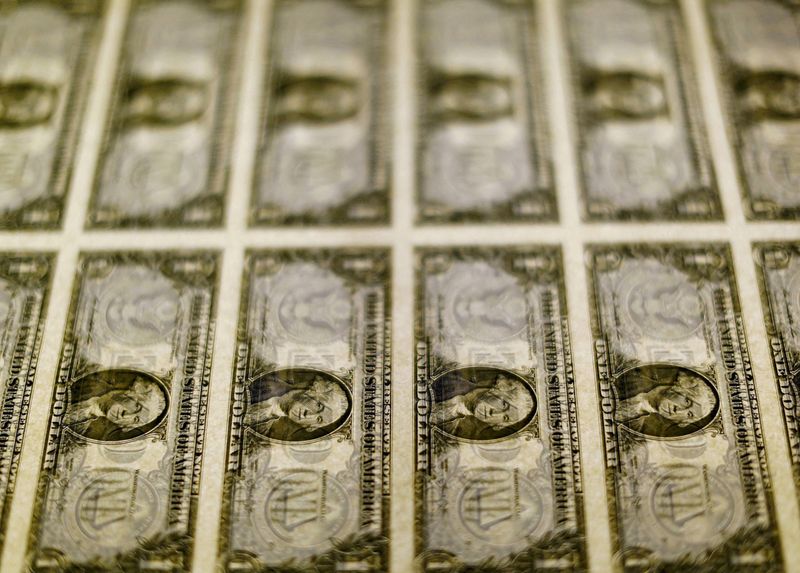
(47, 51)
(165, 157)
(323, 154)
(498, 467)
(641, 146)
(121, 469)
(307, 483)
(758, 49)
(779, 277)
(24, 287)
(685, 461)
(482, 151)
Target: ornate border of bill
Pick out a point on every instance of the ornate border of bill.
(388, 285)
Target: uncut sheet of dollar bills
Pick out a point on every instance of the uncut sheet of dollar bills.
(430, 286)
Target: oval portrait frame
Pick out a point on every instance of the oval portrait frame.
(328, 376)
(508, 373)
(151, 427)
(709, 419)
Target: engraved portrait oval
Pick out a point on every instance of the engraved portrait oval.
(665, 401)
(297, 404)
(664, 305)
(488, 305)
(481, 403)
(116, 405)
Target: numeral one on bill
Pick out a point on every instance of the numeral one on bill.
(307, 482)
(758, 49)
(124, 448)
(641, 146)
(482, 151)
(47, 51)
(24, 287)
(498, 472)
(779, 277)
(322, 158)
(165, 158)
(685, 459)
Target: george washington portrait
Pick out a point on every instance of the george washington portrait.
(115, 405)
(168, 102)
(625, 95)
(665, 401)
(26, 104)
(296, 405)
(481, 403)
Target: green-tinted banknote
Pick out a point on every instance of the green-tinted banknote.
(641, 145)
(165, 157)
(498, 470)
(323, 155)
(482, 150)
(47, 52)
(779, 277)
(758, 52)
(307, 482)
(24, 288)
(686, 469)
(124, 449)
